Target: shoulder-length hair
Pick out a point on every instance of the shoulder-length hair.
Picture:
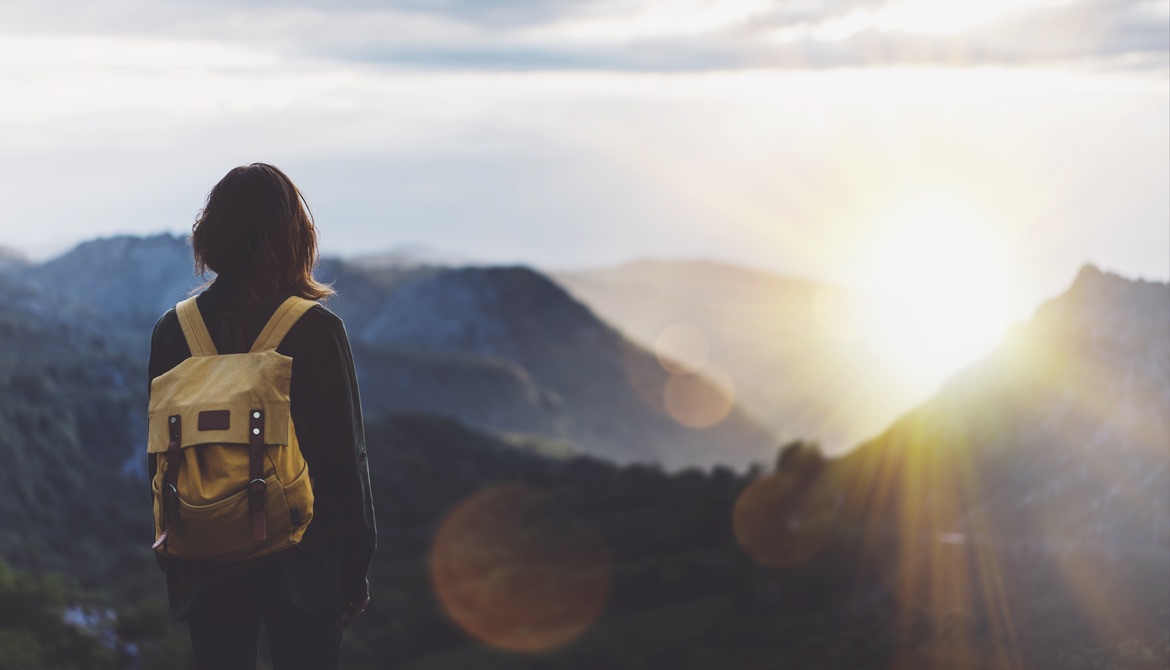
(256, 230)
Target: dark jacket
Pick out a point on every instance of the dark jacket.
(334, 555)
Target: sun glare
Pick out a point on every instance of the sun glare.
(937, 290)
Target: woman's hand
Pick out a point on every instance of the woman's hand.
(352, 611)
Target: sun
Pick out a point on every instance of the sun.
(936, 285)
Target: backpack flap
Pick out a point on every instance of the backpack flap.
(214, 396)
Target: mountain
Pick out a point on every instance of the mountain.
(500, 348)
(126, 278)
(1016, 520)
(1071, 411)
(791, 362)
(506, 349)
(1034, 488)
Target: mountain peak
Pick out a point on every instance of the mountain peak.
(125, 275)
(1089, 273)
(1094, 283)
(1099, 303)
(128, 244)
(12, 259)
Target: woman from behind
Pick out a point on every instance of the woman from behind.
(256, 234)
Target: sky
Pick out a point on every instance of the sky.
(821, 139)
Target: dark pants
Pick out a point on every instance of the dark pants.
(297, 640)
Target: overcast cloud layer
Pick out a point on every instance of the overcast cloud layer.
(662, 35)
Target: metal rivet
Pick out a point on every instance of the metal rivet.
(255, 431)
(255, 415)
(173, 419)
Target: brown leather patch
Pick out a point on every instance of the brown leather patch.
(217, 419)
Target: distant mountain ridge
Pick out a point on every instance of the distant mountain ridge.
(134, 279)
(768, 331)
(581, 365)
(503, 349)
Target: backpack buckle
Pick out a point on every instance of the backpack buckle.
(256, 490)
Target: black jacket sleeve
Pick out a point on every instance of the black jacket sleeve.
(327, 415)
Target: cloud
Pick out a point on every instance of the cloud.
(642, 35)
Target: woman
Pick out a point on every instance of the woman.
(257, 236)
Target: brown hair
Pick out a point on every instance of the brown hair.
(256, 229)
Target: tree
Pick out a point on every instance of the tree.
(802, 457)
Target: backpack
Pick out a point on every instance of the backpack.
(231, 482)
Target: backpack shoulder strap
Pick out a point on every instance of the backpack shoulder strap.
(194, 329)
(278, 326)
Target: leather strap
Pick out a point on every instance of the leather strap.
(194, 328)
(170, 483)
(281, 322)
(257, 487)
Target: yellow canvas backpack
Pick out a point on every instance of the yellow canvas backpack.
(231, 482)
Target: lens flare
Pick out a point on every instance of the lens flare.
(784, 519)
(700, 400)
(516, 572)
(682, 348)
